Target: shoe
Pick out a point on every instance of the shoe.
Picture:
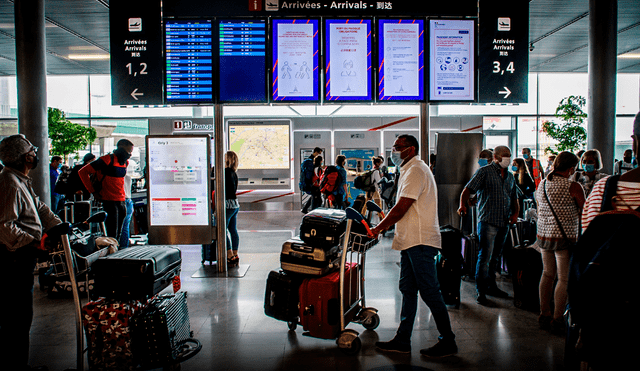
(481, 299)
(393, 345)
(558, 326)
(544, 322)
(495, 291)
(233, 261)
(443, 348)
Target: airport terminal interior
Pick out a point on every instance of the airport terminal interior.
(226, 309)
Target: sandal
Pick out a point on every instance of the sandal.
(233, 261)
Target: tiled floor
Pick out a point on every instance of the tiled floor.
(227, 316)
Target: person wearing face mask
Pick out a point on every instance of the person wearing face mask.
(534, 165)
(498, 207)
(418, 239)
(625, 164)
(23, 220)
(485, 157)
(54, 173)
(111, 170)
(591, 165)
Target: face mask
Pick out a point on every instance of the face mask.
(122, 155)
(59, 166)
(35, 162)
(526, 157)
(395, 157)
(505, 162)
(589, 168)
(483, 162)
(514, 168)
(634, 161)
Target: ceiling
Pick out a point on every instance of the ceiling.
(558, 31)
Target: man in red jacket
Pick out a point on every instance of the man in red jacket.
(109, 171)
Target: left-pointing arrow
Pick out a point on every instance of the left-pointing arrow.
(135, 94)
(506, 91)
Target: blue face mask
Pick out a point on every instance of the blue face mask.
(634, 161)
(589, 168)
(483, 162)
(514, 168)
(526, 157)
(395, 157)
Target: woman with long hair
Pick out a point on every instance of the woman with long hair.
(232, 207)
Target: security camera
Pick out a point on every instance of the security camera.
(531, 47)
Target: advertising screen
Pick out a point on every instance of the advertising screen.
(188, 53)
(348, 60)
(242, 45)
(260, 146)
(295, 60)
(401, 60)
(452, 60)
(178, 180)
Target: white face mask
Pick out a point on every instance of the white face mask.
(506, 161)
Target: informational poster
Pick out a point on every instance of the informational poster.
(452, 57)
(295, 74)
(348, 51)
(178, 180)
(401, 59)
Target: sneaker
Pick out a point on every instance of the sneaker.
(544, 322)
(495, 291)
(393, 345)
(443, 348)
(481, 299)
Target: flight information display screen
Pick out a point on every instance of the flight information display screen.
(295, 60)
(243, 70)
(348, 65)
(188, 51)
(401, 60)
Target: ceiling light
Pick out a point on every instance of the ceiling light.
(88, 57)
(630, 56)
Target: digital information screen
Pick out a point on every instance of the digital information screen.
(295, 60)
(401, 60)
(452, 60)
(178, 181)
(348, 53)
(243, 71)
(260, 146)
(189, 77)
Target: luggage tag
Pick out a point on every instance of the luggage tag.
(176, 284)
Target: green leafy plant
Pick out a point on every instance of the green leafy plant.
(570, 132)
(67, 137)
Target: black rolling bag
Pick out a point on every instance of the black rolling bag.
(160, 330)
(138, 272)
(299, 257)
(323, 227)
(449, 264)
(281, 297)
(525, 267)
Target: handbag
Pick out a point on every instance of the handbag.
(564, 235)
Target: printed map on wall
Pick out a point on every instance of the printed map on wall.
(260, 146)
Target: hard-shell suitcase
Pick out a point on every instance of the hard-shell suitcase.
(449, 264)
(281, 297)
(320, 302)
(299, 257)
(160, 329)
(323, 227)
(470, 246)
(525, 267)
(138, 272)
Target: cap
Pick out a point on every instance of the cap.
(12, 147)
(88, 158)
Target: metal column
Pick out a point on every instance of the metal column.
(221, 231)
(31, 76)
(601, 101)
(424, 132)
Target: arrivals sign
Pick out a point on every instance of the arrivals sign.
(503, 64)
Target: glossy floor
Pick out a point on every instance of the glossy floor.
(228, 318)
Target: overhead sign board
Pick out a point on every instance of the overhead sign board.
(503, 65)
(136, 53)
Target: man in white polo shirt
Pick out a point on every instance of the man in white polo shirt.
(417, 237)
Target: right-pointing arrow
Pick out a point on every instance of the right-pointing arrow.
(506, 91)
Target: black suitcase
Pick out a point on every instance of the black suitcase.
(323, 227)
(281, 297)
(525, 267)
(161, 329)
(138, 272)
(449, 264)
(299, 257)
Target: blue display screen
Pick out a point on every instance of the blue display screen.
(188, 51)
(242, 45)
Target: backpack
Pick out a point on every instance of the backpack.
(330, 180)
(364, 181)
(306, 175)
(603, 264)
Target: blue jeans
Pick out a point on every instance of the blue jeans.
(126, 224)
(492, 239)
(232, 228)
(418, 274)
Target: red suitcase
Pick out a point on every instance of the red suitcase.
(320, 305)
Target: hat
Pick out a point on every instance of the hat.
(13, 147)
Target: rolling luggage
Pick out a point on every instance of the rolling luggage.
(449, 264)
(160, 329)
(323, 227)
(281, 297)
(525, 267)
(299, 257)
(319, 302)
(138, 272)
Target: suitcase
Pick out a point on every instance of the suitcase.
(525, 267)
(160, 329)
(76, 211)
(319, 302)
(107, 325)
(470, 246)
(138, 272)
(298, 257)
(281, 297)
(449, 264)
(323, 227)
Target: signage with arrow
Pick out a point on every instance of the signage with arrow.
(503, 63)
